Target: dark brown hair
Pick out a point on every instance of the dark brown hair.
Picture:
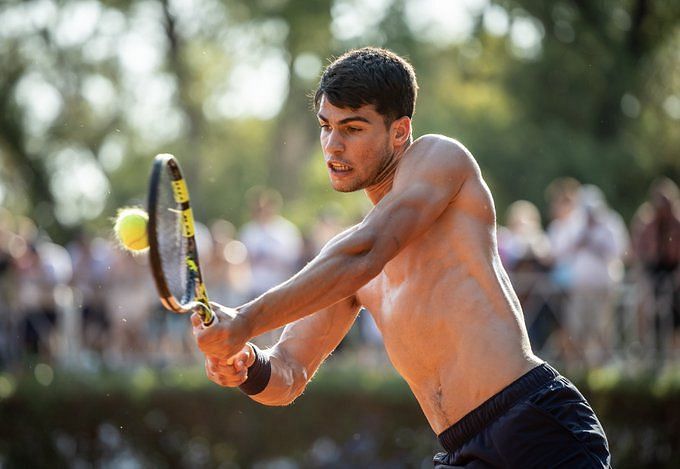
(370, 76)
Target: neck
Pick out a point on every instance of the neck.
(383, 182)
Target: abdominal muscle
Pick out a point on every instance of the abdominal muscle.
(451, 327)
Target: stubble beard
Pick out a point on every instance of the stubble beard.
(375, 178)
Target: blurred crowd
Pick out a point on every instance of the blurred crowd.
(595, 290)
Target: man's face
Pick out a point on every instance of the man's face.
(356, 145)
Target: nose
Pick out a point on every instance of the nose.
(332, 143)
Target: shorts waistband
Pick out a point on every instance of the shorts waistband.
(474, 422)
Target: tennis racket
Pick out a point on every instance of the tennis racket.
(173, 253)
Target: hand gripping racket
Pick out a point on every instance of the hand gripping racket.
(172, 247)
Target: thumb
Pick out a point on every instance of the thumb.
(196, 321)
(241, 360)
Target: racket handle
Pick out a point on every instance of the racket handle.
(211, 319)
(208, 316)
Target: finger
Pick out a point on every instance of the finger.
(241, 359)
(218, 363)
(228, 379)
(241, 356)
(215, 364)
(222, 366)
(196, 322)
(236, 379)
(238, 366)
(233, 379)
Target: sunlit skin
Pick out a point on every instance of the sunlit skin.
(356, 148)
(423, 261)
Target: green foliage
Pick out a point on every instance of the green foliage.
(597, 97)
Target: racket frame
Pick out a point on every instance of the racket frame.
(199, 303)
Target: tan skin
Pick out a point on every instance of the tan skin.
(424, 262)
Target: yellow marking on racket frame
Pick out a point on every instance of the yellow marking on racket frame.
(180, 191)
(201, 294)
(191, 264)
(187, 223)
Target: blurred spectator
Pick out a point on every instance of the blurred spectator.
(562, 197)
(37, 314)
(274, 244)
(228, 274)
(328, 224)
(525, 252)
(566, 278)
(656, 242)
(595, 240)
(91, 259)
(7, 334)
(522, 243)
(58, 269)
(130, 297)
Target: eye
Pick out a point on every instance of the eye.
(324, 126)
(354, 129)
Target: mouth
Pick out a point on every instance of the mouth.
(338, 167)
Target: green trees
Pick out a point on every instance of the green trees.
(91, 91)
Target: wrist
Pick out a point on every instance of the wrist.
(244, 323)
(259, 372)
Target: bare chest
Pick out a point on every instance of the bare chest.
(398, 296)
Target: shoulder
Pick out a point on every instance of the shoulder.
(442, 151)
(439, 142)
(436, 157)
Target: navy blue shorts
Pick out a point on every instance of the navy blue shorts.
(539, 421)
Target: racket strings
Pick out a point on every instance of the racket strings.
(172, 246)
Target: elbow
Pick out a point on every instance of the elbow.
(296, 387)
(288, 399)
(286, 392)
(278, 402)
(281, 400)
(289, 396)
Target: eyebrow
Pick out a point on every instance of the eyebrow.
(346, 120)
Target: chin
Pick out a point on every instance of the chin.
(351, 187)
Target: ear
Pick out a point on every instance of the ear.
(401, 131)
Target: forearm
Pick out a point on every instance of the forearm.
(287, 380)
(335, 274)
(302, 348)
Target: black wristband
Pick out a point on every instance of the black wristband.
(258, 373)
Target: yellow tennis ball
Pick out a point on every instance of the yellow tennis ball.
(130, 229)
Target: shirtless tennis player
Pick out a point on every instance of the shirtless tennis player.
(424, 262)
